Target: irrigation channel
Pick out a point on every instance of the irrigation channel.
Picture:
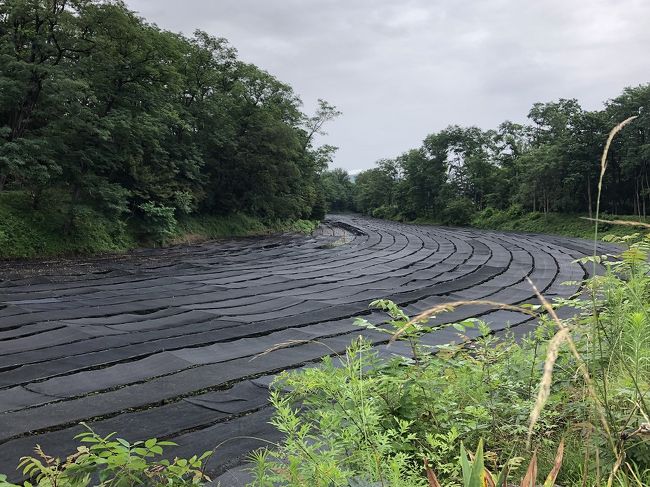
(159, 343)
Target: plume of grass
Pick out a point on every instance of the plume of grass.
(293, 343)
(591, 389)
(582, 366)
(452, 305)
(627, 223)
(547, 378)
(603, 169)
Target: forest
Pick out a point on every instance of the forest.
(114, 133)
(549, 165)
(107, 118)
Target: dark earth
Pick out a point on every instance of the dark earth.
(164, 343)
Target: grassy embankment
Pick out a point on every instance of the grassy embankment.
(26, 232)
(568, 225)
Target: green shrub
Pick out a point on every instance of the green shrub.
(304, 226)
(458, 212)
(361, 417)
(388, 212)
(27, 232)
(158, 221)
(109, 461)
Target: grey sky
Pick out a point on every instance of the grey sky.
(401, 70)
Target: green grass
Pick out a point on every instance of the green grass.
(570, 225)
(27, 233)
(206, 227)
(514, 220)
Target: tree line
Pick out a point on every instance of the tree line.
(101, 109)
(550, 164)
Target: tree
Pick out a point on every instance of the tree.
(550, 164)
(103, 109)
(338, 190)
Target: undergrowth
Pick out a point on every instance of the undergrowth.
(111, 462)
(27, 232)
(36, 232)
(515, 219)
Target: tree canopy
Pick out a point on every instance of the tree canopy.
(550, 164)
(105, 110)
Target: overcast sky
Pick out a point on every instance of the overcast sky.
(399, 70)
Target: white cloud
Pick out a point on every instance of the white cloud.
(400, 70)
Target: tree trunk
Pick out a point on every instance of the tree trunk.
(74, 198)
(638, 198)
(20, 118)
(647, 186)
(534, 200)
(589, 196)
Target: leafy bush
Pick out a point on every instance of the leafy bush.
(196, 228)
(159, 222)
(36, 232)
(361, 417)
(304, 226)
(515, 218)
(388, 212)
(457, 212)
(109, 461)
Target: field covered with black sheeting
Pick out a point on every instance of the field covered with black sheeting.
(160, 343)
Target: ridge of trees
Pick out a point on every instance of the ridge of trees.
(550, 164)
(100, 109)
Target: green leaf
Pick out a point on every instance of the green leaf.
(466, 465)
(167, 443)
(478, 467)
(123, 442)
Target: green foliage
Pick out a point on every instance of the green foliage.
(26, 232)
(206, 227)
(342, 436)
(110, 461)
(159, 222)
(515, 218)
(457, 212)
(621, 342)
(473, 470)
(355, 416)
(119, 116)
(550, 165)
(387, 212)
(338, 190)
(377, 187)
